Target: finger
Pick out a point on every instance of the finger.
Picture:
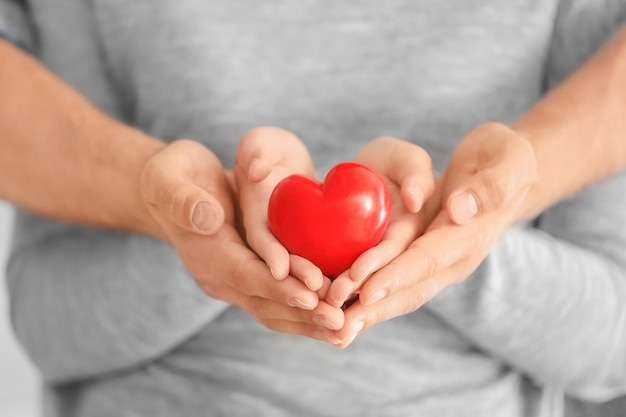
(323, 315)
(488, 185)
(253, 278)
(415, 190)
(405, 164)
(322, 293)
(401, 232)
(302, 329)
(427, 257)
(328, 316)
(192, 208)
(268, 247)
(306, 272)
(256, 159)
(253, 202)
(341, 288)
(177, 197)
(318, 324)
(359, 317)
(370, 261)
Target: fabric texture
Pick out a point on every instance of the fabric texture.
(14, 25)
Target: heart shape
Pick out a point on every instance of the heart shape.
(331, 223)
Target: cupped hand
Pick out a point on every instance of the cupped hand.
(475, 201)
(188, 194)
(407, 170)
(265, 156)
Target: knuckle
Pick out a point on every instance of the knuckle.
(375, 315)
(432, 265)
(258, 308)
(415, 301)
(174, 201)
(401, 277)
(493, 192)
(214, 291)
(378, 316)
(239, 278)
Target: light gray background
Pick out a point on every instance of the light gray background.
(18, 381)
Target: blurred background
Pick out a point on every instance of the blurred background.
(18, 380)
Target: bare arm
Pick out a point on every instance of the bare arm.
(577, 130)
(60, 156)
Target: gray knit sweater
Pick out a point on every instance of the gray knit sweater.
(117, 326)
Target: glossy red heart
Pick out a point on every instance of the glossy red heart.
(331, 223)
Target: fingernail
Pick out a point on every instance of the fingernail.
(376, 297)
(203, 217)
(464, 207)
(350, 340)
(253, 169)
(296, 302)
(322, 321)
(415, 199)
(367, 272)
(354, 330)
(309, 285)
(325, 336)
(276, 275)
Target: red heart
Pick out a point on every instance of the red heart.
(333, 222)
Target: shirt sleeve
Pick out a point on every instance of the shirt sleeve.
(581, 27)
(549, 300)
(15, 25)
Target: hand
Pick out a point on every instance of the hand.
(265, 156)
(407, 170)
(475, 201)
(189, 195)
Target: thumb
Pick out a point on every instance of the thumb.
(485, 192)
(492, 169)
(168, 187)
(263, 148)
(189, 207)
(194, 209)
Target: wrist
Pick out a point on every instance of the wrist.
(133, 213)
(536, 195)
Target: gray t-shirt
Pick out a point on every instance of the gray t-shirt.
(117, 326)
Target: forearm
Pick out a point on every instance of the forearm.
(550, 302)
(61, 157)
(577, 129)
